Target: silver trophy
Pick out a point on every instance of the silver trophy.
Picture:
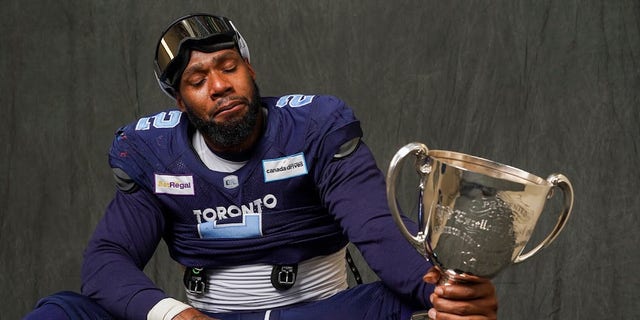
(475, 215)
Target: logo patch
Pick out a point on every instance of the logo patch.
(169, 184)
(284, 168)
(250, 227)
(230, 182)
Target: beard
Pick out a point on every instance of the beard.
(229, 133)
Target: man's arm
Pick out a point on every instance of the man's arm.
(355, 192)
(353, 189)
(121, 245)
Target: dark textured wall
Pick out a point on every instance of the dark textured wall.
(541, 85)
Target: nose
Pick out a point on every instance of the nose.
(219, 85)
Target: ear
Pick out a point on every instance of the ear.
(250, 67)
(180, 102)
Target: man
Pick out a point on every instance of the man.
(257, 197)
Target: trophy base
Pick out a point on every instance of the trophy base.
(420, 315)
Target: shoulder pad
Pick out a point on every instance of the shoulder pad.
(347, 148)
(123, 181)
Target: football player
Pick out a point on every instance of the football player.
(257, 197)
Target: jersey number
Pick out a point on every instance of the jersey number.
(162, 120)
(294, 101)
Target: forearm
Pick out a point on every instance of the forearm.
(121, 289)
(121, 245)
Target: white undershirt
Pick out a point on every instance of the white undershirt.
(248, 287)
(210, 159)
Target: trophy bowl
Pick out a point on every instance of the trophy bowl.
(475, 215)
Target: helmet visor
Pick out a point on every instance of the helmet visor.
(190, 29)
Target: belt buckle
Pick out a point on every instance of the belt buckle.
(283, 277)
(195, 280)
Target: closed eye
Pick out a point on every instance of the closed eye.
(197, 82)
(230, 68)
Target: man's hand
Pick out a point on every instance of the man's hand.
(472, 299)
(192, 314)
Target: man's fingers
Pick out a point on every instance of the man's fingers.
(476, 299)
(433, 314)
(432, 276)
(466, 290)
(448, 309)
(462, 295)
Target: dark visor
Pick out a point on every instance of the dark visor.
(193, 29)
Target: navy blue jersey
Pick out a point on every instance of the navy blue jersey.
(293, 200)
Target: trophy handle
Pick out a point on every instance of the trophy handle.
(562, 182)
(420, 151)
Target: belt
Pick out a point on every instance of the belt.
(283, 277)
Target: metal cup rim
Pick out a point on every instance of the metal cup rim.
(487, 167)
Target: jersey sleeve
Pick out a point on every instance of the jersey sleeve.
(333, 126)
(127, 235)
(121, 245)
(353, 189)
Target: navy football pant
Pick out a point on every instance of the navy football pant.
(67, 305)
(368, 301)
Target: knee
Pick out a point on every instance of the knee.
(67, 305)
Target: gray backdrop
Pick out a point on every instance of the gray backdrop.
(547, 86)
